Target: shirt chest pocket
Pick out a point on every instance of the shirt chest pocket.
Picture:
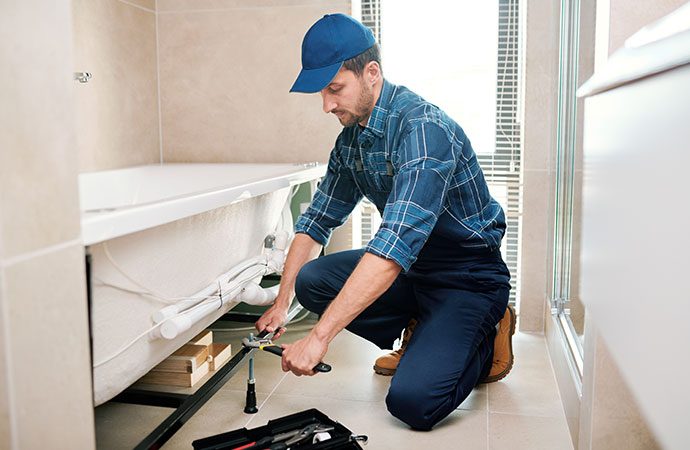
(380, 172)
(383, 181)
(374, 177)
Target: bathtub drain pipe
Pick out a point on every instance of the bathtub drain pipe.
(240, 282)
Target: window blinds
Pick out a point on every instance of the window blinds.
(502, 167)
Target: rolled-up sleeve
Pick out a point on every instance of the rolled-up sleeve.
(334, 200)
(426, 162)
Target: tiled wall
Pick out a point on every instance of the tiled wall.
(196, 81)
(539, 137)
(624, 20)
(117, 110)
(610, 417)
(45, 382)
(226, 67)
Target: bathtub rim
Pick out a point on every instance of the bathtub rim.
(102, 225)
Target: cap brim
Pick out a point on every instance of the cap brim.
(314, 80)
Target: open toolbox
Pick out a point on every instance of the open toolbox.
(306, 430)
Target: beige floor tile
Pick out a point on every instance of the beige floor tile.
(530, 388)
(224, 412)
(352, 377)
(353, 395)
(517, 432)
(120, 425)
(478, 399)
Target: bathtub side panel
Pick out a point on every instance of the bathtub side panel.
(175, 259)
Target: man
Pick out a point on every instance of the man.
(435, 260)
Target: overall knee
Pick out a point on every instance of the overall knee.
(409, 403)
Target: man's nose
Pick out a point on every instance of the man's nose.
(328, 104)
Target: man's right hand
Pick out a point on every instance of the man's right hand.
(272, 320)
(302, 249)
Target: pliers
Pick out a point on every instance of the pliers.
(285, 441)
(267, 345)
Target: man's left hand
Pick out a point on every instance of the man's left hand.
(302, 356)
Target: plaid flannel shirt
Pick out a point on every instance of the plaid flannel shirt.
(418, 167)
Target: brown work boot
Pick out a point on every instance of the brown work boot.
(503, 348)
(386, 364)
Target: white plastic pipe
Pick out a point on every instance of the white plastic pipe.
(182, 322)
(253, 294)
(232, 273)
(172, 310)
(176, 320)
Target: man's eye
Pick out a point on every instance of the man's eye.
(334, 90)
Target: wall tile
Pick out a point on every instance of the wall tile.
(225, 77)
(609, 415)
(5, 426)
(148, 4)
(536, 257)
(541, 85)
(186, 5)
(38, 188)
(616, 418)
(625, 21)
(117, 110)
(48, 334)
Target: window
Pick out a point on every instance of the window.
(463, 56)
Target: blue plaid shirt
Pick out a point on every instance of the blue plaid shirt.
(417, 166)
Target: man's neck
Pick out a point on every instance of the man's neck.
(377, 93)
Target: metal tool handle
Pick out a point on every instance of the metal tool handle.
(277, 350)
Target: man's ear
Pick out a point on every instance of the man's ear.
(372, 72)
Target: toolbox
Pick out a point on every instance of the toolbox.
(306, 430)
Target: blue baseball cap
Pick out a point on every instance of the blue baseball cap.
(330, 41)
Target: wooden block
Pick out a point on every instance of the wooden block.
(221, 353)
(176, 378)
(203, 338)
(187, 359)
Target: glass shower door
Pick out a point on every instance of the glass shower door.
(566, 307)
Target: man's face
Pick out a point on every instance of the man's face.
(349, 98)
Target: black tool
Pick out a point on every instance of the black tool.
(267, 345)
(284, 441)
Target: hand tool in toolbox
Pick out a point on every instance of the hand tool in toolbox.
(286, 440)
(337, 438)
(267, 345)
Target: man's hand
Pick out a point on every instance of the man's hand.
(272, 319)
(302, 356)
(302, 249)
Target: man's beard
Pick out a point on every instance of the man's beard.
(364, 101)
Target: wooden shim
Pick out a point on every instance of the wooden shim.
(186, 359)
(203, 338)
(176, 378)
(221, 353)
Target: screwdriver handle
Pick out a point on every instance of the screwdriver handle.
(278, 350)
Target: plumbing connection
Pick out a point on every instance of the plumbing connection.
(239, 283)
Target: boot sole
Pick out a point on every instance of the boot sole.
(383, 371)
(505, 371)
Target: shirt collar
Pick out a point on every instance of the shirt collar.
(377, 119)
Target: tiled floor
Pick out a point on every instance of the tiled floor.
(523, 411)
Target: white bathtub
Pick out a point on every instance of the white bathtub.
(119, 202)
(172, 228)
